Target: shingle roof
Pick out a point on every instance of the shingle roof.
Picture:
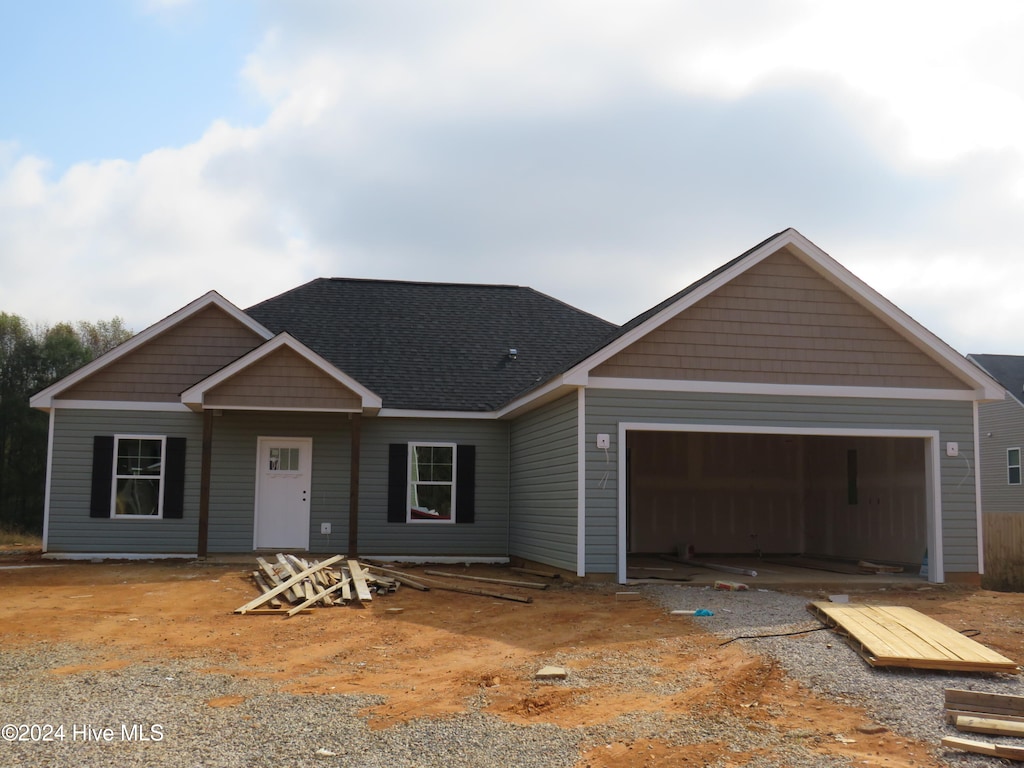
(1008, 370)
(435, 346)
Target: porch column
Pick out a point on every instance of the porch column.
(204, 484)
(353, 487)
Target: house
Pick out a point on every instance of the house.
(778, 405)
(1001, 440)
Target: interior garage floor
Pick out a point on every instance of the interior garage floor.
(771, 574)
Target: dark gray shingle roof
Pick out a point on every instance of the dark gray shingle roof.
(435, 346)
(1008, 370)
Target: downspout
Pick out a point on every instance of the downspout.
(205, 473)
(49, 478)
(581, 482)
(979, 512)
(353, 486)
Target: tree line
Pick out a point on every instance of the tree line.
(32, 358)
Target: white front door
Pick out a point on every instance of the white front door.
(283, 476)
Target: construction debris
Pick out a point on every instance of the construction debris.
(293, 585)
(731, 586)
(305, 584)
(552, 673)
(866, 567)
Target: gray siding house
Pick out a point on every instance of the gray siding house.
(777, 405)
(1001, 448)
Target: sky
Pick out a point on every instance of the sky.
(605, 153)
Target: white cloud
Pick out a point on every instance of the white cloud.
(605, 154)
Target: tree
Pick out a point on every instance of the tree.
(30, 360)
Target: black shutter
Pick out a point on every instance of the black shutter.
(174, 478)
(102, 475)
(465, 484)
(398, 478)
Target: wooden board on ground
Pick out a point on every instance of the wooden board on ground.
(984, 748)
(1001, 706)
(897, 636)
(816, 564)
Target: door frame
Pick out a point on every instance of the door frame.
(933, 487)
(307, 442)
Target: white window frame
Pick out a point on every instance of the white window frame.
(1010, 466)
(114, 515)
(411, 466)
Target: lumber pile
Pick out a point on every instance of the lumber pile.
(292, 585)
(304, 584)
(995, 714)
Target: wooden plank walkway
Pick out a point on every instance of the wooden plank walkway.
(896, 636)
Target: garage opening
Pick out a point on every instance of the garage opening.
(819, 496)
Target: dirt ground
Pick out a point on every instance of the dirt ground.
(446, 648)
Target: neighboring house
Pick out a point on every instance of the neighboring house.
(778, 405)
(1001, 429)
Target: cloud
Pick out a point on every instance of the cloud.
(605, 158)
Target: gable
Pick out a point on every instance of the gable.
(780, 322)
(282, 379)
(170, 362)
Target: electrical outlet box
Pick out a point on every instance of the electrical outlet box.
(325, 528)
(953, 449)
(603, 441)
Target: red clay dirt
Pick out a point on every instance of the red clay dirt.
(445, 649)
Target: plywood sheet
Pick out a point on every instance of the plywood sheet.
(897, 636)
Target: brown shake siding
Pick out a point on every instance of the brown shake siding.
(780, 322)
(283, 379)
(162, 369)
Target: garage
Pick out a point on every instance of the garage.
(725, 491)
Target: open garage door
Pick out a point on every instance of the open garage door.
(735, 493)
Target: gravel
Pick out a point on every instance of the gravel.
(909, 702)
(157, 712)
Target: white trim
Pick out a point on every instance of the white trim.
(195, 395)
(119, 405)
(114, 477)
(399, 413)
(979, 516)
(440, 560)
(44, 398)
(49, 479)
(277, 409)
(581, 482)
(120, 556)
(785, 390)
(933, 480)
(411, 447)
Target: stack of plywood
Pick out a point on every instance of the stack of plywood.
(303, 584)
(988, 713)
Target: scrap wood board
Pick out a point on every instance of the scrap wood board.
(897, 636)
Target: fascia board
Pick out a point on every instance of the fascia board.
(193, 396)
(578, 373)
(44, 398)
(986, 388)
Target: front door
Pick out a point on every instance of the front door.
(283, 477)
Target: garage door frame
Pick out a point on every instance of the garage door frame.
(933, 487)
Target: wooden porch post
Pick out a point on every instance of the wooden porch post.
(353, 487)
(204, 484)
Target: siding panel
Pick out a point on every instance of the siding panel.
(954, 420)
(71, 529)
(544, 484)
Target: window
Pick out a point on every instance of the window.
(138, 476)
(431, 482)
(1013, 466)
(284, 460)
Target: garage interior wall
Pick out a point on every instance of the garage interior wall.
(727, 493)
